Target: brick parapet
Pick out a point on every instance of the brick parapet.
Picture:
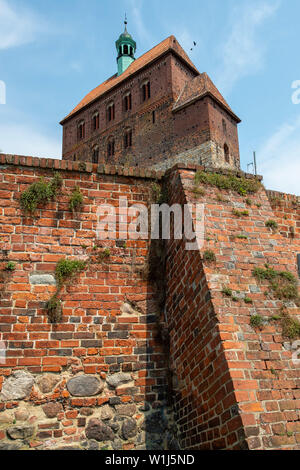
(258, 365)
(82, 167)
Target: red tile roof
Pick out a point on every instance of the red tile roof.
(196, 89)
(169, 44)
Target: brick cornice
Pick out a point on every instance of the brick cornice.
(83, 167)
(222, 171)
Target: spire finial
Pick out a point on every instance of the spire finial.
(125, 22)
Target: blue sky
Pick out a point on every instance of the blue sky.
(52, 52)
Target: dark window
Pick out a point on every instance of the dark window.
(127, 102)
(125, 49)
(111, 148)
(128, 139)
(96, 122)
(226, 153)
(96, 155)
(81, 131)
(224, 126)
(111, 112)
(153, 117)
(131, 50)
(146, 91)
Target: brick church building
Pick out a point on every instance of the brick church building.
(157, 110)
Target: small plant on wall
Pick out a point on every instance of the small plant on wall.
(282, 285)
(209, 256)
(40, 193)
(272, 224)
(54, 309)
(11, 266)
(65, 271)
(256, 321)
(76, 201)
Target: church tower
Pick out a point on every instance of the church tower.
(126, 48)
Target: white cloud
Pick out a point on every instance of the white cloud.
(18, 25)
(242, 53)
(137, 20)
(19, 139)
(279, 159)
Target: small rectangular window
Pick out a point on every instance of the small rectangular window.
(153, 117)
(95, 155)
(298, 263)
(128, 139)
(111, 112)
(81, 131)
(96, 122)
(111, 148)
(146, 91)
(127, 102)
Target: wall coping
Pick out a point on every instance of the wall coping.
(282, 197)
(145, 173)
(83, 167)
(207, 169)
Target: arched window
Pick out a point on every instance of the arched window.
(131, 50)
(127, 102)
(95, 155)
(81, 130)
(96, 121)
(226, 153)
(126, 49)
(111, 147)
(128, 138)
(111, 112)
(146, 90)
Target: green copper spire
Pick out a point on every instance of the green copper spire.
(126, 48)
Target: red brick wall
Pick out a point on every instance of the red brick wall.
(287, 214)
(233, 386)
(109, 324)
(237, 386)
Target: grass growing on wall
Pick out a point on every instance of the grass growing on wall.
(66, 269)
(283, 284)
(242, 186)
(40, 192)
(76, 201)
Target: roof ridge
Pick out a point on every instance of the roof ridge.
(170, 43)
(196, 89)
